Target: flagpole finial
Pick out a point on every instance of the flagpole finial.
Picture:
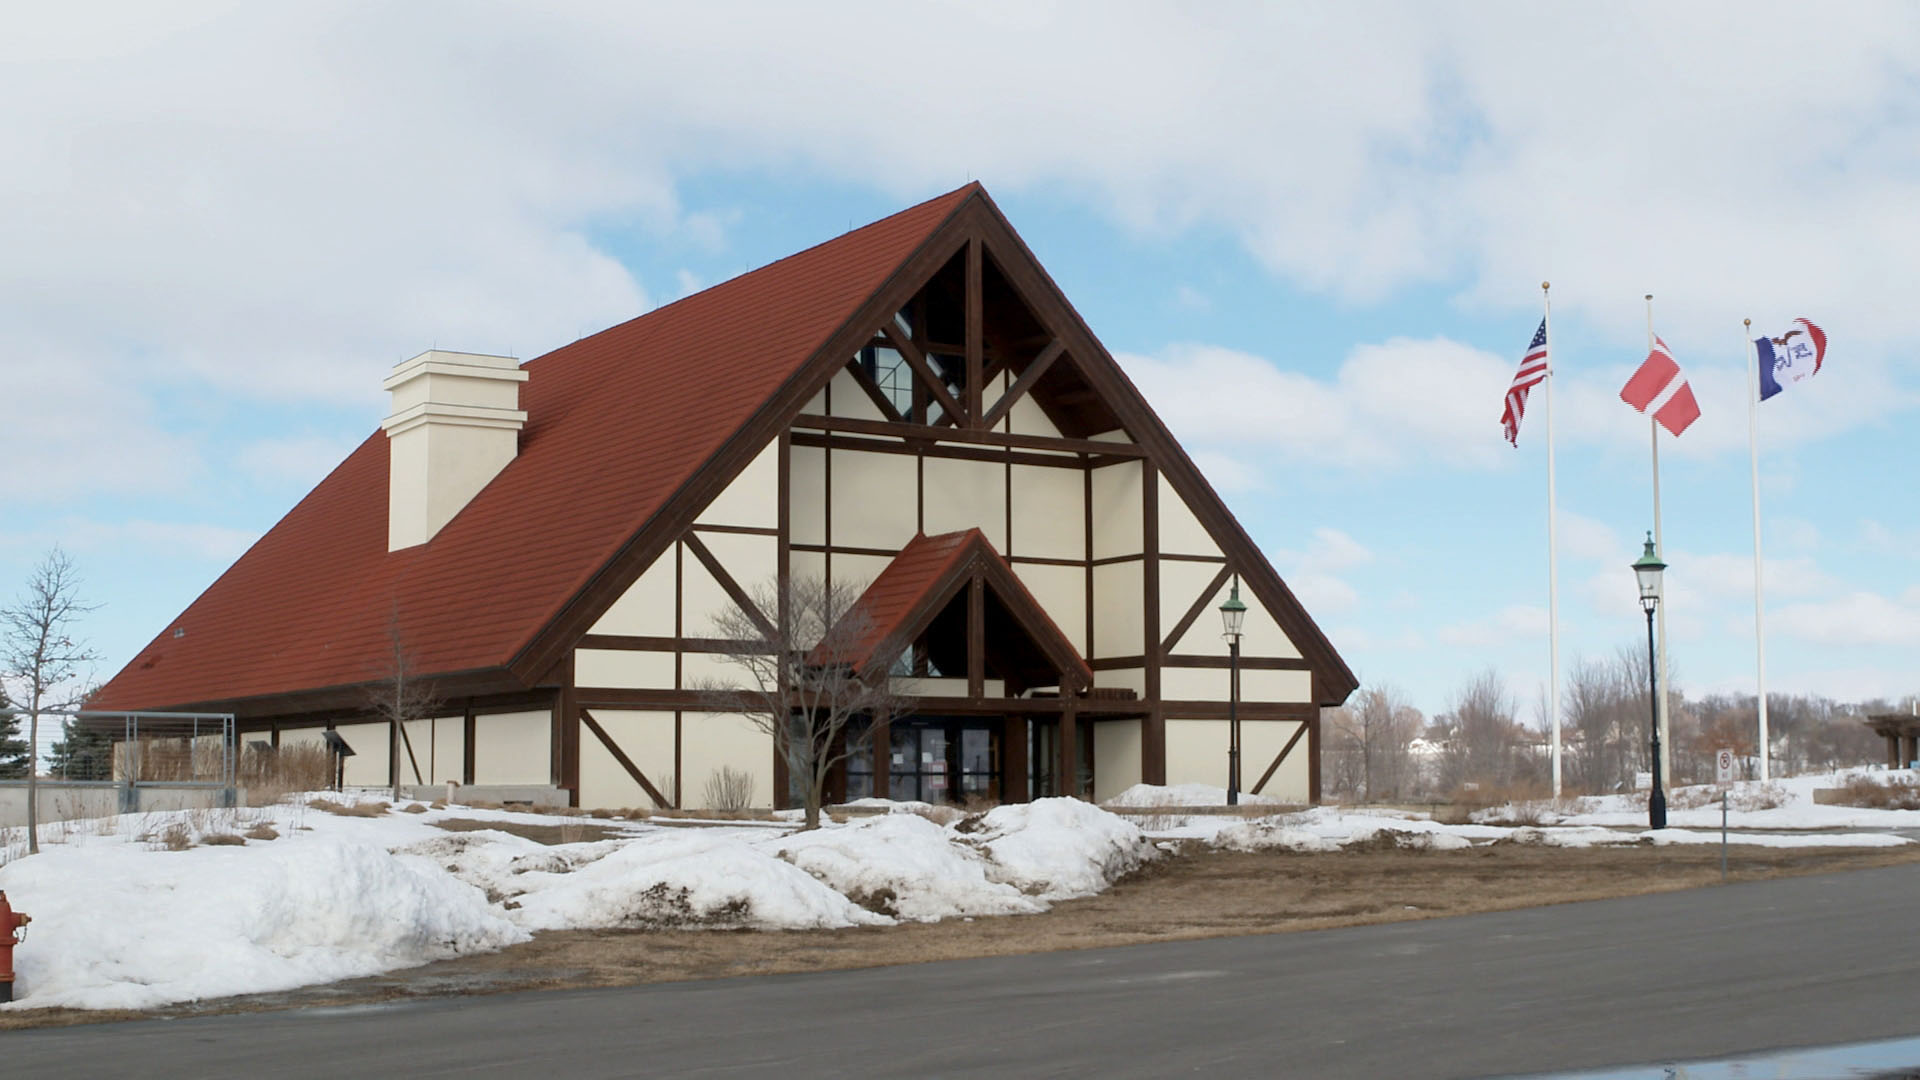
(1545, 285)
(1649, 296)
(1749, 322)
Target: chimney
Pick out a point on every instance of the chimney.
(455, 424)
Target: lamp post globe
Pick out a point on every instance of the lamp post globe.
(1233, 615)
(1647, 571)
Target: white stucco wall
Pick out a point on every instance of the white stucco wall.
(1062, 591)
(1116, 757)
(711, 740)
(753, 498)
(1197, 754)
(1212, 684)
(873, 499)
(1049, 520)
(513, 748)
(1180, 531)
(368, 765)
(646, 608)
(966, 495)
(1118, 627)
(1260, 635)
(627, 668)
(646, 738)
(1118, 526)
(807, 488)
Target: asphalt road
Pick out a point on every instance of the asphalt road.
(1697, 974)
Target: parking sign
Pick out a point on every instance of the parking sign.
(1723, 766)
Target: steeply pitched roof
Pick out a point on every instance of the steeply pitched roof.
(922, 580)
(617, 423)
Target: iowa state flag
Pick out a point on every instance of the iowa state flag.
(1792, 356)
(1661, 391)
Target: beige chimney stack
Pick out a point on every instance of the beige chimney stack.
(456, 423)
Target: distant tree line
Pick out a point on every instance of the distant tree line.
(1379, 748)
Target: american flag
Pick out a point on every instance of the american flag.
(1533, 368)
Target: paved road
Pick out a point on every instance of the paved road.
(1703, 973)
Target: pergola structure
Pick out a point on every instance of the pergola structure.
(1902, 732)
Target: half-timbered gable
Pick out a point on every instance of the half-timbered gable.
(916, 387)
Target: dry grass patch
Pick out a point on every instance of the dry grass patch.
(1896, 793)
(262, 831)
(414, 808)
(566, 832)
(223, 839)
(367, 810)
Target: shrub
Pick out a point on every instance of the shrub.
(729, 788)
(1892, 794)
(369, 810)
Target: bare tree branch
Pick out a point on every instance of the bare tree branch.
(817, 713)
(38, 654)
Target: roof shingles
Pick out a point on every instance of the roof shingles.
(616, 423)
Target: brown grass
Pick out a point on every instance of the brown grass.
(368, 810)
(223, 839)
(566, 832)
(1890, 794)
(414, 808)
(271, 776)
(175, 837)
(262, 831)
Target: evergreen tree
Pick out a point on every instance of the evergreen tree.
(13, 746)
(81, 754)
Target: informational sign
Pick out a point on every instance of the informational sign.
(1723, 766)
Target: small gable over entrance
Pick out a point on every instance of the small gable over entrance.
(950, 604)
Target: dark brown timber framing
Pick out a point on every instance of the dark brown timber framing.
(976, 233)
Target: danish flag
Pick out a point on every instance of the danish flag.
(1661, 391)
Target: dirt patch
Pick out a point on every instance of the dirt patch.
(1201, 894)
(568, 832)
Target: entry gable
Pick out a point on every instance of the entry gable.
(924, 593)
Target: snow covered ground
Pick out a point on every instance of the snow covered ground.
(143, 910)
(124, 920)
(1777, 814)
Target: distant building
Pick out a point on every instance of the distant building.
(914, 403)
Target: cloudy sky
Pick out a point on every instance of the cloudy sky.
(1314, 234)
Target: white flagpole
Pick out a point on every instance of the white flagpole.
(1666, 688)
(1553, 570)
(1759, 603)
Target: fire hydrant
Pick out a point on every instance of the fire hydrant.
(12, 931)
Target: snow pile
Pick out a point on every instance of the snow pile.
(1270, 834)
(906, 866)
(1178, 795)
(709, 878)
(1059, 849)
(121, 927)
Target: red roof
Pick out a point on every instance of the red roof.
(309, 605)
(921, 580)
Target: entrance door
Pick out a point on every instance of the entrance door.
(944, 759)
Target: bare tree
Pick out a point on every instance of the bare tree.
(794, 655)
(1485, 735)
(400, 695)
(1373, 729)
(39, 654)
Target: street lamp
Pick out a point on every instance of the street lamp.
(1233, 614)
(1648, 569)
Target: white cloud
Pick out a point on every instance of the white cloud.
(295, 460)
(1390, 403)
(1858, 618)
(1514, 622)
(1313, 573)
(1582, 537)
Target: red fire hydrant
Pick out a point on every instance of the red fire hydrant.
(12, 930)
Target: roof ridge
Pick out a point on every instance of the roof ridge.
(959, 194)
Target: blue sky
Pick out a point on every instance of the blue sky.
(1313, 235)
